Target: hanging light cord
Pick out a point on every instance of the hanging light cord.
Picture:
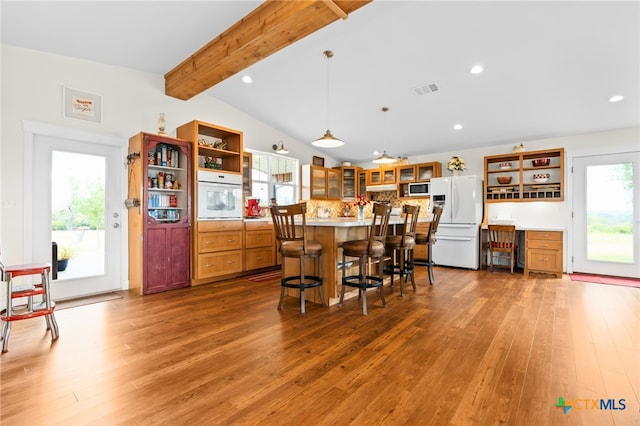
(328, 54)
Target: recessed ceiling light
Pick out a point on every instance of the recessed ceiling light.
(376, 153)
(616, 98)
(247, 79)
(476, 69)
(457, 127)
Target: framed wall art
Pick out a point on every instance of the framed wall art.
(318, 161)
(81, 105)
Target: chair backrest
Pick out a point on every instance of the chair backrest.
(379, 223)
(502, 237)
(284, 222)
(437, 212)
(410, 214)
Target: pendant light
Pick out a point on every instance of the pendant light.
(385, 158)
(328, 140)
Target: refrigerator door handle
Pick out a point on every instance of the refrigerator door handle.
(440, 237)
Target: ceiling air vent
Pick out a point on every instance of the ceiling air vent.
(425, 88)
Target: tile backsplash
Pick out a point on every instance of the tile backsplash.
(337, 208)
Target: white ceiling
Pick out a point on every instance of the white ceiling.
(549, 67)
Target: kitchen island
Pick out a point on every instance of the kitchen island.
(331, 233)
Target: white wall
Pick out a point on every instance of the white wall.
(31, 89)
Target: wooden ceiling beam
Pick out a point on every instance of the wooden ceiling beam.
(270, 27)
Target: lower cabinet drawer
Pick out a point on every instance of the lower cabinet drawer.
(259, 239)
(544, 260)
(220, 263)
(219, 241)
(259, 258)
(420, 251)
(544, 244)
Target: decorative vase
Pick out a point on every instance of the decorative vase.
(360, 212)
(456, 172)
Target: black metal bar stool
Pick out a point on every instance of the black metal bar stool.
(291, 232)
(367, 251)
(429, 238)
(400, 248)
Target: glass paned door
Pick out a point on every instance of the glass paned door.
(76, 194)
(606, 215)
(77, 213)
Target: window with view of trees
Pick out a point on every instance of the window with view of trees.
(274, 176)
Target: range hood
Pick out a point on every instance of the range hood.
(381, 188)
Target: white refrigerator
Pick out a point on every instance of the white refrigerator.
(457, 238)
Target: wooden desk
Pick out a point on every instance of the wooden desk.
(543, 250)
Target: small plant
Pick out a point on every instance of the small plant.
(456, 163)
(65, 253)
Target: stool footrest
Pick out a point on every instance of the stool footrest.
(294, 281)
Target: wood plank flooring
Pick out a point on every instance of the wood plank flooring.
(476, 348)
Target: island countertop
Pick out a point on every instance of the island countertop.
(344, 222)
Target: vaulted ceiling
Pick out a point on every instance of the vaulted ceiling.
(549, 67)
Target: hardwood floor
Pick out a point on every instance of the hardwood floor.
(477, 348)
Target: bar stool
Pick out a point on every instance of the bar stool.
(429, 238)
(30, 310)
(294, 243)
(401, 248)
(370, 250)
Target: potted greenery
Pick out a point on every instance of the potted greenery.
(64, 254)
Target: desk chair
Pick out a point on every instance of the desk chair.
(294, 243)
(368, 252)
(401, 248)
(502, 243)
(31, 309)
(429, 238)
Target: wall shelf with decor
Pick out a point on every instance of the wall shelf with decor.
(221, 145)
(525, 176)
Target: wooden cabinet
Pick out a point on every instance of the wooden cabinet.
(350, 184)
(420, 251)
(525, 176)
(214, 146)
(412, 173)
(381, 176)
(259, 245)
(247, 159)
(160, 182)
(362, 182)
(320, 183)
(218, 249)
(543, 252)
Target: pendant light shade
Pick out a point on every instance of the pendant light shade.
(328, 140)
(385, 158)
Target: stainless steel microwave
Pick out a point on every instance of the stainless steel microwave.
(419, 189)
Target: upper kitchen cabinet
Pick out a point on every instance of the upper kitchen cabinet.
(525, 176)
(215, 147)
(381, 176)
(413, 173)
(350, 182)
(247, 159)
(320, 183)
